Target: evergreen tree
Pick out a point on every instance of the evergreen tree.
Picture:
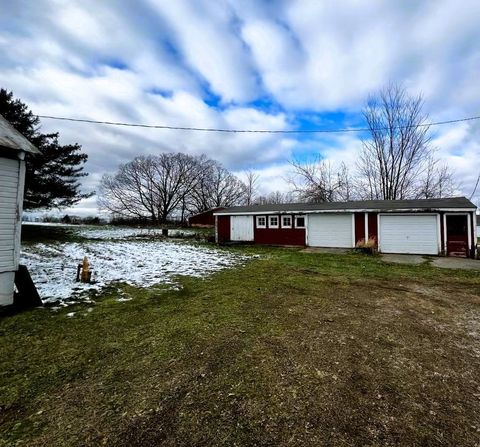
(52, 177)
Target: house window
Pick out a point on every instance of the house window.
(299, 222)
(286, 221)
(273, 221)
(261, 222)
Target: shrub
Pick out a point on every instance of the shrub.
(367, 246)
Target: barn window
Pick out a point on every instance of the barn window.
(286, 221)
(299, 222)
(273, 221)
(261, 222)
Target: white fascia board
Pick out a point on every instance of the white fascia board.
(346, 210)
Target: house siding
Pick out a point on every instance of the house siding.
(9, 215)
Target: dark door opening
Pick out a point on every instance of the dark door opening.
(457, 235)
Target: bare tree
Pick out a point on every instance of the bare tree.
(151, 186)
(130, 192)
(166, 185)
(225, 189)
(317, 181)
(275, 197)
(216, 187)
(437, 180)
(397, 161)
(251, 187)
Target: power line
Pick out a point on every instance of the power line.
(475, 189)
(207, 129)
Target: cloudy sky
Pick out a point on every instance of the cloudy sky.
(240, 64)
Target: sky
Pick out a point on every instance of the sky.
(243, 64)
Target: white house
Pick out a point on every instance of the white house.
(13, 147)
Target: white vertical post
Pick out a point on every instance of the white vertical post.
(18, 220)
(469, 229)
(366, 227)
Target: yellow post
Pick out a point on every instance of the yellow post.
(85, 270)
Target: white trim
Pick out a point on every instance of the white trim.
(475, 234)
(304, 220)
(258, 225)
(283, 216)
(353, 230)
(379, 248)
(366, 227)
(439, 234)
(348, 210)
(270, 225)
(445, 234)
(306, 229)
(469, 230)
(18, 223)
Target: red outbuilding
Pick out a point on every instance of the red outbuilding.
(205, 219)
(424, 226)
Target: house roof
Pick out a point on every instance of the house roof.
(367, 205)
(13, 139)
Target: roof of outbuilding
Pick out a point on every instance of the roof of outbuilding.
(11, 138)
(211, 210)
(372, 205)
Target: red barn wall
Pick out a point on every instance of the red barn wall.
(279, 236)
(359, 226)
(223, 229)
(205, 219)
(373, 226)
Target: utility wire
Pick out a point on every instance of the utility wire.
(475, 189)
(207, 129)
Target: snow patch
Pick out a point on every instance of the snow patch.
(110, 233)
(53, 267)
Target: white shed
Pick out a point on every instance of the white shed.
(13, 147)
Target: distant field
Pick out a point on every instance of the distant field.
(287, 348)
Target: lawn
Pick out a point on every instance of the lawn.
(290, 348)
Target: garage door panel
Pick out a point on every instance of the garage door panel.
(241, 228)
(408, 234)
(330, 230)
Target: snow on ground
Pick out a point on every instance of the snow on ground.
(104, 233)
(53, 267)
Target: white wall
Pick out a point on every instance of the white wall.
(12, 176)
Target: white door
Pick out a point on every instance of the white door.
(241, 228)
(330, 230)
(415, 234)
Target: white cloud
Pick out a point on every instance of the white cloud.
(157, 62)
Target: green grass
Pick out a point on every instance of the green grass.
(291, 349)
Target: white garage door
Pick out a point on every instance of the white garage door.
(330, 230)
(241, 228)
(408, 234)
